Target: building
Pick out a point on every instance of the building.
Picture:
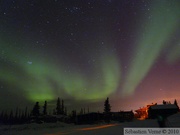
(89, 118)
(142, 113)
(164, 110)
(122, 116)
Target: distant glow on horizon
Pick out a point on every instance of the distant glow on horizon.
(153, 39)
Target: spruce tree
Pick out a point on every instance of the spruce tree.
(11, 114)
(11, 117)
(16, 115)
(1, 117)
(175, 102)
(22, 118)
(164, 102)
(58, 107)
(5, 118)
(107, 110)
(54, 112)
(84, 112)
(65, 111)
(73, 113)
(26, 117)
(81, 111)
(88, 109)
(45, 108)
(62, 107)
(107, 107)
(26, 113)
(19, 115)
(35, 111)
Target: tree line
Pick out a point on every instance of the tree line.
(21, 116)
(59, 110)
(26, 116)
(18, 117)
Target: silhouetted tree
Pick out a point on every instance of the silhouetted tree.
(35, 111)
(54, 112)
(62, 107)
(164, 102)
(107, 107)
(74, 113)
(65, 111)
(19, 114)
(73, 116)
(107, 110)
(88, 109)
(16, 115)
(175, 102)
(81, 111)
(58, 107)
(1, 117)
(26, 113)
(22, 118)
(11, 117)
(45, 108)
(5, 118)
(11, 114)
(84, 111)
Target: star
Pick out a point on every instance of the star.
(29, 62)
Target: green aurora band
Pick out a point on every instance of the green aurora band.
(152, 40)
(174, 54)
(43, 78)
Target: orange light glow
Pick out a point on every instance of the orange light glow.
(98, 127)
(143, 112)
(84, 129)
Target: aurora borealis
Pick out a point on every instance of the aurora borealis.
(152, 41)
(83, 52)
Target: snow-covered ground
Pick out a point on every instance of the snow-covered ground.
(61, 128)
(174, 120)
(71, 129)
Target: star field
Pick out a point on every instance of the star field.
(128, 50)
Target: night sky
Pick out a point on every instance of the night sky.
(84, 51)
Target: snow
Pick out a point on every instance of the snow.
(174, 120)
(71, 129)
(58, 128)
(33, 128)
